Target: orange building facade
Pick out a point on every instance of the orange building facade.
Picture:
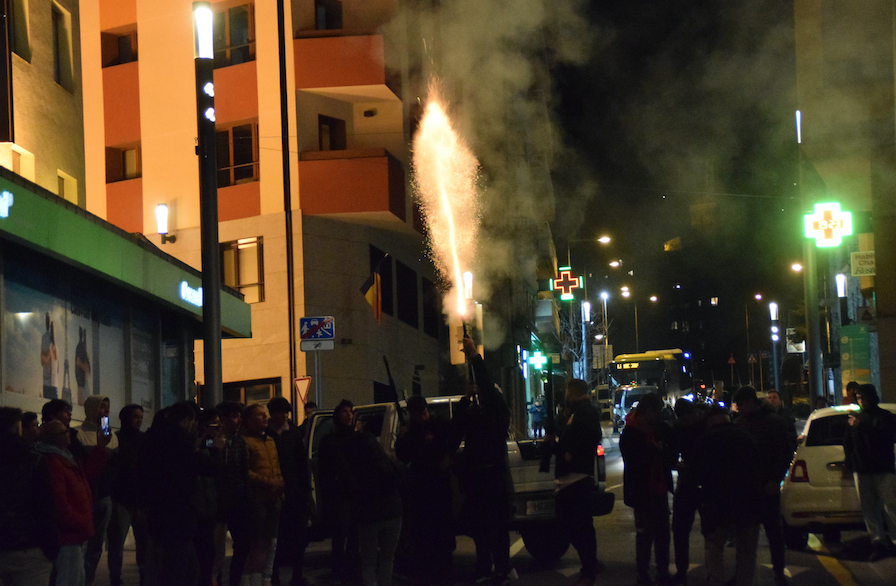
(346, 181)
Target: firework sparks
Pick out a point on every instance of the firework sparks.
(445, 174)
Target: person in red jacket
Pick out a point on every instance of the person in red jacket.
(74, 501)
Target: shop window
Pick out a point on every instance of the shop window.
(237, 153)
(406, 286)
(379, 261)
(119, 48)
(242, 267)
(62, 47)
(327, 14)
(123, 163)
(252, 392)
(331, 133)
(19, 37)
(432, 308)
(235, 35)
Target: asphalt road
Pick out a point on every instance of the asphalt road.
(822, 564)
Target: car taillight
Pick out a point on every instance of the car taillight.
(600, 451)
(799, 472)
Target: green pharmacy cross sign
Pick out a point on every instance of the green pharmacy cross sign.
(538, 360)
(828, 225)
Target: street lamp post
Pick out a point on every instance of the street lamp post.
(204, 55)
(773, 313)
(627, 293)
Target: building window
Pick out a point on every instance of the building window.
(382, 263)
(714, 301)
(242, 267)
(331, 133)
(252, 391)
(119, 48)
(327, 14)
(432, 308)
(237, 153)
(235, 36)
(67, 187)
(123, 163)
(406, 286)
(62, 47)
(19, 37)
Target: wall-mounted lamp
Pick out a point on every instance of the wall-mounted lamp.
(840, 279)
(162, 224)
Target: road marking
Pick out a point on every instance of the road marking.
(832, 565)
(614, 487)
(516, 547)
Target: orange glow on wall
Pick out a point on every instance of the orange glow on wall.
(239, 201)
(351, 185)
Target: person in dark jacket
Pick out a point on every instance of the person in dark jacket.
(868, 448)
(28, 539)
(727, 469)
(647, 482)
(576, 449)
(294, 514)
(124, 462)
(377, 507)
(776, 442)
(427, 448)
(686, 432)
(170, 467)
(482, 418)
(232, 484)
(336, 494)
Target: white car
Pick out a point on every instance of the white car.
(817, 497)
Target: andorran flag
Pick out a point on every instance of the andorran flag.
(372, 291)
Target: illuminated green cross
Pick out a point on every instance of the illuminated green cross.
(538, 360)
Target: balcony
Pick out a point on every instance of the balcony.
(357, 181)
(236, 92)
(124, 204)
(121, 98)
(332, 62)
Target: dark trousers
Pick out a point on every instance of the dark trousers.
(774, 530)
(574, 512)
(241, 534)
(684, 511)
(292, 541)
(102, 512)
(489, 513)
(652, 532)
(171, 563)
(204, 544)
(345, 552)
(124, 518)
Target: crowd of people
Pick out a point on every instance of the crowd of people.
(730, 465)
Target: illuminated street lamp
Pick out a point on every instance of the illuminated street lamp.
(773, 314)
(626, 292)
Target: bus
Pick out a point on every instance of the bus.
(667, 370)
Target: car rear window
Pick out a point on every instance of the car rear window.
(827, 431)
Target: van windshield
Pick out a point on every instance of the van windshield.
(633, 397)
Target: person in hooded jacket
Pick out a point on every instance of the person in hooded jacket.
(647, 482)
(96, 407)
(74, 501)
(28, 539)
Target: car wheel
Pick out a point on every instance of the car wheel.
(544, 546)
(795, 538)
(831, 536)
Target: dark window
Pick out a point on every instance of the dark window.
(234, 36)
(331, 133)
(118, 48)
(406, 285)
(827, 431)
(242, 267)
(62, 48)
(237, 154)
(122, 163)
(19, 40)
(252, 391)
(327, 14)
(432, 313)
(387, 294)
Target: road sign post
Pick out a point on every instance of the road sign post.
(317, 333)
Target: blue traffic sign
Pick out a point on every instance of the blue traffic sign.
(317, 328)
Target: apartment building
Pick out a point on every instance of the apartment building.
(341, 197)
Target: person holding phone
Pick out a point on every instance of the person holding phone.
(96, 425)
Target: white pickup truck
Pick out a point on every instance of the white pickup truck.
(533, 497)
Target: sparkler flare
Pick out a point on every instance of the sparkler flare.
(445, 175)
